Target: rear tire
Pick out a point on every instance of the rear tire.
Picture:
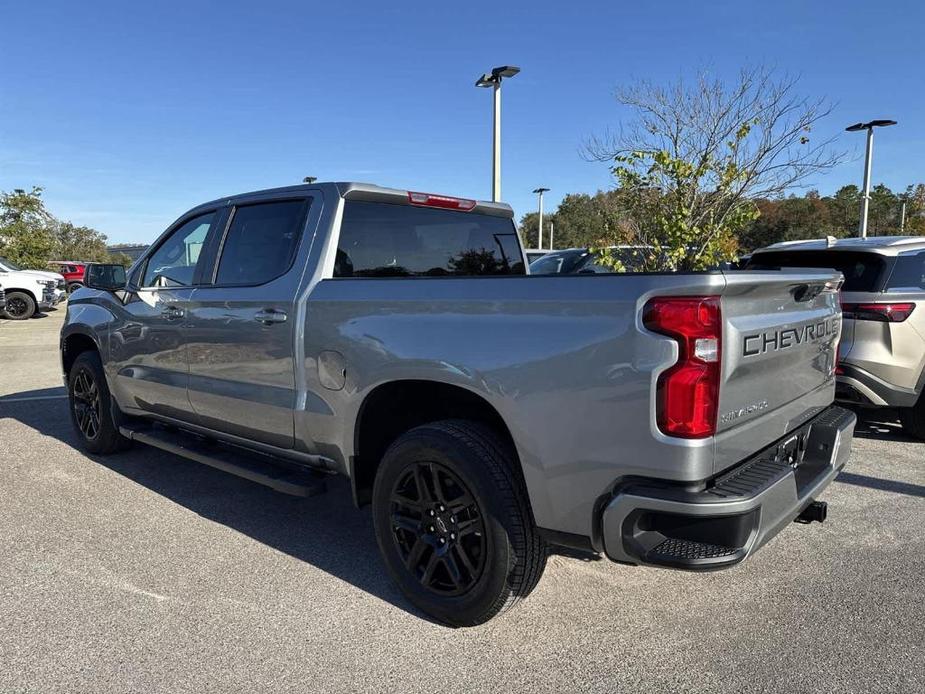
(19, 306)
(73, 287)
(913, 419)
(453, 522)
(91, 406)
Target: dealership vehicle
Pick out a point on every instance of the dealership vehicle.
(882, 350)
(72, 271)
(26, 293)
(394, 337)
(584, 261)
(2, 299)
(53, 280)
(533, 254)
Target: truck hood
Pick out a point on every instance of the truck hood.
(37, 274)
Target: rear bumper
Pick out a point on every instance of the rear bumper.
(729, 518)
(861, 387)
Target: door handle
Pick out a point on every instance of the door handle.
(270, 315)
(172, 313)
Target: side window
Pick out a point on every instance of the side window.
(909, 272)
(174, 262)
(261, 242)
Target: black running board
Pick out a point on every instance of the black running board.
(256, 468)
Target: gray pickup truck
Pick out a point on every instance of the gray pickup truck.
(487, 414)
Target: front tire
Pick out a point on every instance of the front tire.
(91, 406)
(453, 522)
(19, 306)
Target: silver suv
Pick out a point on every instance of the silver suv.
(882, 351)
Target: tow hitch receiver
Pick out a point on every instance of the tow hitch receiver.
(816, 511)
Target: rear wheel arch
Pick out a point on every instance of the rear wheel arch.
(395, 407)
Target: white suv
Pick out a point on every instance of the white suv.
(28, 291)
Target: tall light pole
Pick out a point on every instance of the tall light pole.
(902, 216)
(540, 237)
(493, 80)
(865, 199)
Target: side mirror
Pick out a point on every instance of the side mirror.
(109, 278)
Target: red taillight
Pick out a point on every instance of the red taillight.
(442, 201)
(885, 313)
(688, 392)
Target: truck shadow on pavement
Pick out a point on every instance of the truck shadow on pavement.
(880, 424)
(326, 531)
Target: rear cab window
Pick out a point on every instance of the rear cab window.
(380, 239)
(864, 272)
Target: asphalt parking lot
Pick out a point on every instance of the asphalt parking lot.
(145, 572)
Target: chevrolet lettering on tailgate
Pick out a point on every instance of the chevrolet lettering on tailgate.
(773, 340)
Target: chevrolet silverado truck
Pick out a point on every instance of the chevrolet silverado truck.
(396, 338)
(27, 291)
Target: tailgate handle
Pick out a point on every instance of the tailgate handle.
(807, 292)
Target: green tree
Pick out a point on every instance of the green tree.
(80, 243)
(694, 158)
(582, 220)
(26, 228)
(120, 259)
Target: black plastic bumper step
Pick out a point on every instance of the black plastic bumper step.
(254, 467)
(690, 549)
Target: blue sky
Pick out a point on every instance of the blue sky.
(130, 113)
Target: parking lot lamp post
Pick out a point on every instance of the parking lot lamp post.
(493, 80)
(865, 199)
(540, 236)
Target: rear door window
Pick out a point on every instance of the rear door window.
(261, 242)
(908, 272)
(384, 240)
(864, 272)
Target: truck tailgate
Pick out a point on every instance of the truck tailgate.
(778, 355)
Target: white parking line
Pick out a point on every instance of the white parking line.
(33, 397)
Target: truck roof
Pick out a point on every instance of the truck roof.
(884, 245)
(370, 192)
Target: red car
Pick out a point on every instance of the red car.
(72, 271)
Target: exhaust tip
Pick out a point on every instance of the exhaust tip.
(815, 512)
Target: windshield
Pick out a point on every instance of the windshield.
(7, 265)
(863, 271)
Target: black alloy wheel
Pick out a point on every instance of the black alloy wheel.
(86, 403)
(438, 528)
(18, 306)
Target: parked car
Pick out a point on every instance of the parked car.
(26, 292)
(583, 261)
(57, 284)
(2, 299)
(534, 254)
(393, 337)
(882, 351)
(72, 272)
